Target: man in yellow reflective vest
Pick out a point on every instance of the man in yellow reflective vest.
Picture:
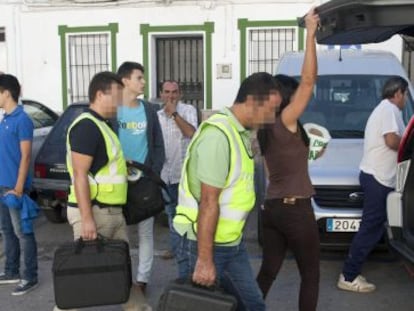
(98, 173)
(216, 193)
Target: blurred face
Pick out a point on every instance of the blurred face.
(170, 92)
(135, 83)
(264, 111)
(111, 99)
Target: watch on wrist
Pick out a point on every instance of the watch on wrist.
(174, 115)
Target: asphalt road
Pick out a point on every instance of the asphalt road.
(395, 287)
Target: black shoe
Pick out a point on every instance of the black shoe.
(9, 279)
(24, 287)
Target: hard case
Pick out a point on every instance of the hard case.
(91, 273)
(182, 295)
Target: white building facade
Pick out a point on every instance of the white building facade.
(54, 47)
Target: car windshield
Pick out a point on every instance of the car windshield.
(58, 135)
(343, 103)
(40, 115)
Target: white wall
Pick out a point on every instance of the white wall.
(33, 43)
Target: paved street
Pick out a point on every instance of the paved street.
(395, 287)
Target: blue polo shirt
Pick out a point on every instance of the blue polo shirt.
(14, 128)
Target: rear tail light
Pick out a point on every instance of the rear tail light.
(40, 170)
(60, 194)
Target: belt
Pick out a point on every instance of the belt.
(290, 200)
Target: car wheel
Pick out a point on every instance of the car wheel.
(56, 214)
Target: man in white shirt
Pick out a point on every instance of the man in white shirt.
(383, 133)
(178, 123)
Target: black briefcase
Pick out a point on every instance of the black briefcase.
(91, 273)
(182, 295)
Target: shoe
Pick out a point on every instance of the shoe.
(359, 284)
(8, 279)
(142, 286)
(24, 287)
(167, 254)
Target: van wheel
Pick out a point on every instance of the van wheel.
(56, 215)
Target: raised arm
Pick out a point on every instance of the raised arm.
(301, 97)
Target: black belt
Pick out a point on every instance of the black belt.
(289, 200)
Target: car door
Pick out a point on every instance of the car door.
(400, 224)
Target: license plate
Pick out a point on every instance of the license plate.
(342, 225)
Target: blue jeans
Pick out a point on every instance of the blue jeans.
(371, 229)
(170, 210)
(13, 239)
(234, 273)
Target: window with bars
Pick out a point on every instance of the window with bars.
(88, 54)
(2, 34)
(267, 45)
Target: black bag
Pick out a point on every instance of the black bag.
(145, 198)
(183, 295)
(91, 273)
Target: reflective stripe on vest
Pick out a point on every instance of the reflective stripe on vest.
(237, 197)
(109, 185)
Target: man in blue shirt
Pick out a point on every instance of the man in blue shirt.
(141, 139)
(16, 135)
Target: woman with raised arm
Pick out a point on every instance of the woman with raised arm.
(288, 219)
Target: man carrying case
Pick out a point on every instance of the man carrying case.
(91, 273)
(183, 295)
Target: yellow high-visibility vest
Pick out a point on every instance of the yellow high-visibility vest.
(109, 185)
(237, 197)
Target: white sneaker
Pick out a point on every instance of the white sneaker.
(359, 284)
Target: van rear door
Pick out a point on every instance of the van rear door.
(363, 21)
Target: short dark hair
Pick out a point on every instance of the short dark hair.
(170, 81)
(126, 68)
(259, 85)
(10, 83)
(392, 85)
(102, 81)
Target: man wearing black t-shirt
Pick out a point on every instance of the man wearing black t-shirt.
(98, 173)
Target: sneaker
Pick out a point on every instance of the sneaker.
(24, 287)
(359, 284)
(8, 279)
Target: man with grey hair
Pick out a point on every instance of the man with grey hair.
(383, 132)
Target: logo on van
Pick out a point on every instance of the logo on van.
(356, 196)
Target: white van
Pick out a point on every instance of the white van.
(348, 88)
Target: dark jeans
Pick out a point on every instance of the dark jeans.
(291, 226)
(170, 210)
(14, 239)
(234, 272)
(371, 229)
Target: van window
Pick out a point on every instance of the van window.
(343, 103)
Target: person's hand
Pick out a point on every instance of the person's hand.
(15, 192)
(170, 107)
(204, 273)
(88, 229)
(312, 21)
